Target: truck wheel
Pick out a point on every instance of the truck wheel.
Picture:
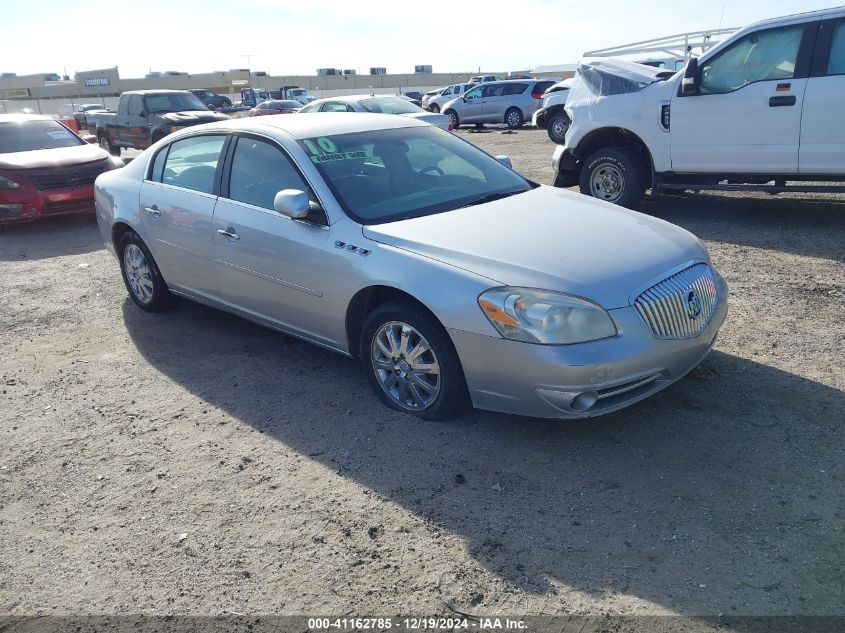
(106, 144)
(556, 126)
(514, 118)
(613, 174)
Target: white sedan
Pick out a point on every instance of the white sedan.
(377, 104)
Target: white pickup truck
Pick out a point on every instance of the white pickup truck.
(762, 108)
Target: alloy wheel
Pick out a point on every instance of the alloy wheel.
(405, 365)
(138, 273)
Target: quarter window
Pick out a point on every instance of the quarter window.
(259, 171)
(192, 163)
(759, 56)
(836, 61)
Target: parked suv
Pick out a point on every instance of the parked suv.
(480, 79)
(764, 106)
(436, 101)
(511, 102)
(212, 99)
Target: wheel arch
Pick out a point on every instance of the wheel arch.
(118, 230)
(368, 299)
(617, 137)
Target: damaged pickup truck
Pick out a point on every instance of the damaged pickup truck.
(759, 110)
(144, 117)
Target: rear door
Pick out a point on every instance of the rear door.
(746, 117)
(177, 207)
(269, 265)
(822, 128)
(503, 96)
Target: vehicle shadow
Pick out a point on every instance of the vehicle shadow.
(721, 494)
(802, 224)
(50, 237)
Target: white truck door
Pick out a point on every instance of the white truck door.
(746, 116)
(822, 132)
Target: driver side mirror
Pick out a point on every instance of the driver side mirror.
(293, 203)
(690, 82)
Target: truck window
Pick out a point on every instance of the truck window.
(192, 162)
(836, 61)
(759, 56)
(135, 106)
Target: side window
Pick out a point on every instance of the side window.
(758, 56)
(515, 89)
(158, 165)
(192, 162)
(135, 105)
(474, 94)
(542, 86)
(259, 171)
(334, 106)
(836, 61)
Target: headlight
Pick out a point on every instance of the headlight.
(8, 183)
(548, 318)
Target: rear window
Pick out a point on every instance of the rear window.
(389, 105)
(542, 86)
(27, 136)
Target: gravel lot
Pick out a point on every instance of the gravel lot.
(193, 462)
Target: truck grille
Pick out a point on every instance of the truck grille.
(680, 306)
(66, 177)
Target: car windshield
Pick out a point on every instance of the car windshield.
(173, 102)
(389, 105)
(26, 136)
(386, 175)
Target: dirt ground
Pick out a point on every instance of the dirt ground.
(192, 462)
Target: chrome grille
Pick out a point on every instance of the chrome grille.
(66, 177)
(680, 306)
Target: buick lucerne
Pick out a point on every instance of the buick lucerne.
(451, 277)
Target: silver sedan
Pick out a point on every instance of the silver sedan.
(451, 277)
(377, 104)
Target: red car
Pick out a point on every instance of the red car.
(286, 106)
(46, 169)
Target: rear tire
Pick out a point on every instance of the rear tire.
(453, 119)
(429, 385)
(615, 175)
(141, 275)
(514, 118)
(105, 142)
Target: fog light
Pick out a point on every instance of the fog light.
(11, 209)
(584, 401)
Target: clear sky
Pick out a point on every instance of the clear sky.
(299, 36)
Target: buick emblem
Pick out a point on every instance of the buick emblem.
(693, 304)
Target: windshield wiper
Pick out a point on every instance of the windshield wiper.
(490, 197)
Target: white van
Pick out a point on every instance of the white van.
(764, 106)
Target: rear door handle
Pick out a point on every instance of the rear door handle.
(229, 233)
(779, 102)
(153, 210)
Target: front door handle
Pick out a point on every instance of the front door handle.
(779, 102)
(229, 233)
(153, 210)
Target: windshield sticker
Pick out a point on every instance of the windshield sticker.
(324, 150)
(59, 135)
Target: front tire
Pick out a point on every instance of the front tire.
(411, 363)
(453, 119)
(141, 275)
(514, 118)
(556, 127)
(434, 108)
(613, 174)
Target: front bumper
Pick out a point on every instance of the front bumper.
(29, 204)
(583, 380)
(540, 118)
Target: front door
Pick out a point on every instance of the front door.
(132, 127)
(177, 207)
(746, 117)
(470, 109)
(269, 265)
(822, 131)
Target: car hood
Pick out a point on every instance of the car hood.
(552, 239)
(440, 120)
(192, 116)
(58, 157)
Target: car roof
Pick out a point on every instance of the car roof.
(302, 126)
(355, 97)
(20, 117)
